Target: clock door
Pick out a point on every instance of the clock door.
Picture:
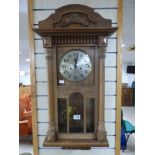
(71, 114)
(76, 98)
(76, 117)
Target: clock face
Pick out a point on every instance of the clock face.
(75, 65)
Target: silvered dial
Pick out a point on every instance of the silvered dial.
(75, 65)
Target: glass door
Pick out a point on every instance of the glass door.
(76, 115)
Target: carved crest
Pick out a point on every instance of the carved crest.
(75, 16)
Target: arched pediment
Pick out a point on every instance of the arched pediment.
(75, 16)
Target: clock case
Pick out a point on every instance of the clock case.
(76, 27)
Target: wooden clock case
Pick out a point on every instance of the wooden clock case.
(76, 27)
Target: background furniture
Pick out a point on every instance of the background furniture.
(25, 115)
(127, 96)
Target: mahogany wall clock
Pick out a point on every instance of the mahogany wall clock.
(75, 38)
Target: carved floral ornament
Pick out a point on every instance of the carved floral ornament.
(74, 18)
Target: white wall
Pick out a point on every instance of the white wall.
(24, 43)
(128, 31)
(128, 39)
(25, 79)
(127, 78)
(108, 9)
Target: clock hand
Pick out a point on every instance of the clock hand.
(76, 60)
(75, 65)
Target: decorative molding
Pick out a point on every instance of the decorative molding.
(103, 41)
(47, 42)
(74, 18)
(58, 40)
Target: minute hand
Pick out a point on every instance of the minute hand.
(75, 60)
(75, 65)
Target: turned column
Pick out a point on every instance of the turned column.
(101, 124)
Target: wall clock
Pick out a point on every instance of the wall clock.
(75, 38)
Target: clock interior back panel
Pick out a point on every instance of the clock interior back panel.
(41, 11)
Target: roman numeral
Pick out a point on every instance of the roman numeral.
(65, 72)
(81, 75)
(66, 60)
(64, 66)
(69, 55)
(87, 65)
(75, 77)
(69, 75)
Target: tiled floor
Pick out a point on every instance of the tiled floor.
(129, 114)
(25, 147)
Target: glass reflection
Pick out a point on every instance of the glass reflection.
(62, 115)
(90, 117)
(76, 113)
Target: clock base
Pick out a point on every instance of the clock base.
(76, 148)
(75, 143)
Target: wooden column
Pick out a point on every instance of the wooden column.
(51, 128)
(101, 126)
